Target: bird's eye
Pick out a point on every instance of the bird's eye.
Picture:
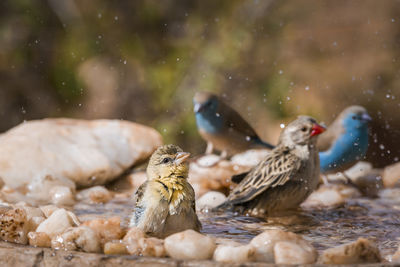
(166, 160)
(304, 129)
(354, 117)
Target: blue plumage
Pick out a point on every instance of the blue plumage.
(350, 141)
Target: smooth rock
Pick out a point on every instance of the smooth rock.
(95, 194)
(250, 157)
(234, 254)
(190, 245)
(48, 210)
(152, 247)
(14, 226)
(56, 223)
(210, 200)
(391, 175)
(107, 229)
(62, 195)
(115, 247)
(286, 252)
(65, 152)
(358, 252)
(77, 238)
(39, 239)
(131, 239)
(265, 242)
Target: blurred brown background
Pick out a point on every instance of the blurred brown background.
(143, 61)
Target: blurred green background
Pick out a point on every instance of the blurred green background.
(143, 61)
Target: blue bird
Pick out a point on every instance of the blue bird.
(345, 142)
(222, 127)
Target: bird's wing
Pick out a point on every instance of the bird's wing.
(275, 170)
(235, 121)
(139, 208)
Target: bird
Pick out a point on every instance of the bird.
(222, 127)
(285, 178)
(165, 203)
(346, 140)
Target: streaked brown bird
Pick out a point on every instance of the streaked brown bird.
(165, 203)
(222, 127)
(285, 178)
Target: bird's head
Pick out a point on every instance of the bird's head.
(205, 103)
(354, 117)
(302, 131)
(168, 161)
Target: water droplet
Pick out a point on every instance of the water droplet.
(177, 59)
(281, 72)
(248, 138)
(381, 146)
(116, 18)
(282, 125)
(217, 114)
(307, 88)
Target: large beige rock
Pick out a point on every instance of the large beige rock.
(360, 251)
(234, 254)
(391, 175)
(38, 155)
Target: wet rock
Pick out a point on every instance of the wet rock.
(210, 173)
(234, 254)
(77, 238)
(56, 223)
(107, 229)
(65, 152)
(96, 194)
(190, 245)
(391, 176)
(48, 210)
(265, 242)
(131, 240)
(14, 226)
(62, 195)
(360, 251)
(152, 247)
(39, 239)
(116, 247)
(210, 200)
(330, 196)
(286, 252)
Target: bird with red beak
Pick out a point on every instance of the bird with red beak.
(285, 178)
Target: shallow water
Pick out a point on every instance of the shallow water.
(376, 219)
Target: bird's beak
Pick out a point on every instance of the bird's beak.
(317, 129)
(197, 107)
(181, 157)
(366, 117)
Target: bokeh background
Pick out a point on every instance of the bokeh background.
(143, 61)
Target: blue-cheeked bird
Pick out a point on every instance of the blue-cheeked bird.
(222, 127)
(345, 142)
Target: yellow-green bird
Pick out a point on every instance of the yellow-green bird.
(165, 203)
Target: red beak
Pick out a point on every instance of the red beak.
(317, 129)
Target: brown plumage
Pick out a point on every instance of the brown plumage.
(285, 177)
(165, 203)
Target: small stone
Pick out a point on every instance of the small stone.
(152, 247)
(360, 251)
(264, 243)
(14, 226)
(210, 200)
(326, 196)
(391, 176)
(234, 254)
(190, 245)
(107, 229)
(286, 252)
(77, 238)
(370, 183)
(62, 195)
(56, 224)
(115, 247)
(131, 239)
(39, 239)
(96, 194)
(48, 210)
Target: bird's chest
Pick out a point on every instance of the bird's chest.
(210, 123)
(173, 195)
